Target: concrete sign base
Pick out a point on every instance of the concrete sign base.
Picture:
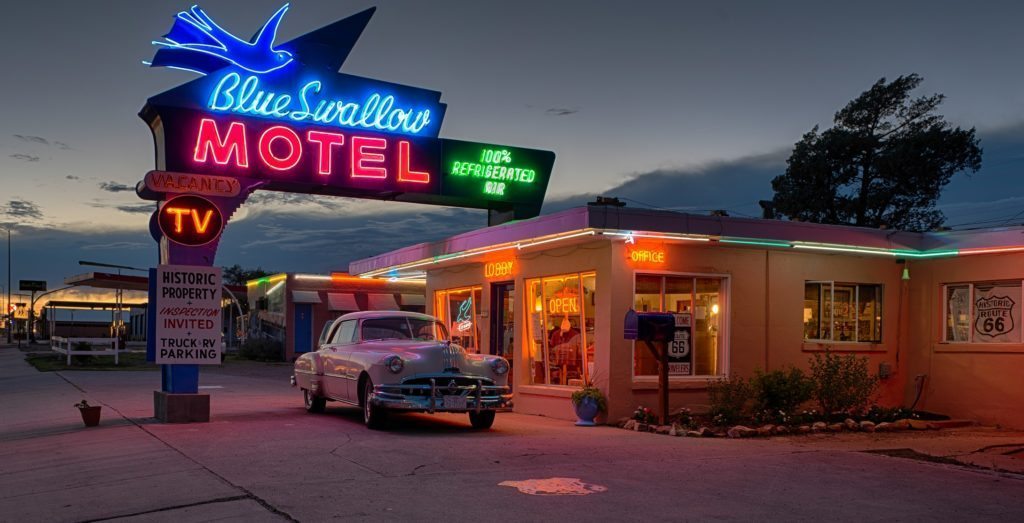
(181, 408)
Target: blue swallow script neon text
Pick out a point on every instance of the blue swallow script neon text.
(233, 94)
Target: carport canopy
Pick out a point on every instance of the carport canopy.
(342, 302)
(306, 297)
(382, 302)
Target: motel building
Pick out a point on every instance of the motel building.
(551, 294)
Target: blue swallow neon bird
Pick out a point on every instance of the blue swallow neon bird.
(196, 43)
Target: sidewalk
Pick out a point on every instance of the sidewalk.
(52, 468)
(263, 458)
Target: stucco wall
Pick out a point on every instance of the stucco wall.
(763, 326)
(976, 381)
(764, 314)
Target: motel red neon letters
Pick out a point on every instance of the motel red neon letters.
(281, 149)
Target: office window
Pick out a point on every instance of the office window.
(846, 312)
(702, 301)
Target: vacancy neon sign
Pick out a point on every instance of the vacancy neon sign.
(281, 148)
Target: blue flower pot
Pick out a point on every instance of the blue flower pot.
(586, 411)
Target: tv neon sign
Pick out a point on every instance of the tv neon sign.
(190, 220)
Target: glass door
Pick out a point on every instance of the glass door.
(503, 297)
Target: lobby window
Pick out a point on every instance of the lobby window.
(987, 312)
(847, 312)
(704, 300)
(560, 329)
(459, 309)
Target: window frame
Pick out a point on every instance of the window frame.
(724, 334)
(442, 314)
(544, 316)
(970, 308)
(856, 308)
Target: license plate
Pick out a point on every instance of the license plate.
(454, 402)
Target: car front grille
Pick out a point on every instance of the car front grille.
(463, 386)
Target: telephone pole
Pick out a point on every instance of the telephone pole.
(10, 321)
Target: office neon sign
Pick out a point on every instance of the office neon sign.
(280, 116)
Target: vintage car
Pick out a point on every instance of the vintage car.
(387, 361)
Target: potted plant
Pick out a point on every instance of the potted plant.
(588, 401)
(90, 413)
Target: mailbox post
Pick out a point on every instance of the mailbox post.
(658, 331)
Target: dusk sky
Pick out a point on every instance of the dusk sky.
(681, 105)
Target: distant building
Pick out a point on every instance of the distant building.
(295, 308)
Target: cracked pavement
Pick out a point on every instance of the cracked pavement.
(262, 458)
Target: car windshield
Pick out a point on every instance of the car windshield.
(400, 328)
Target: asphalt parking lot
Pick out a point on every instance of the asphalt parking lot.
(263, 458)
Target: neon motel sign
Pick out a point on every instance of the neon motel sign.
(266, 115)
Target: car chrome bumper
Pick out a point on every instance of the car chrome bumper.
(430, 398)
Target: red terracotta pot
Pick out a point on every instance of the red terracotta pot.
(90, 416)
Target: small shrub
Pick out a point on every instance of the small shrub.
(80, 346)
(780, 392)
(842, 384)
(645, 415)
(728, 398)
(885, 414)
(684, 418)
(261, 349)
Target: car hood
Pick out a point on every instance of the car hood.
(431, 357)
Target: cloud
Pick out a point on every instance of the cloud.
(39, 140)
(734, 185)
(32, 139)
(116, 187)
(274, 198)
(141, 208)
(21, 209)
(116, 246)
(325, 243)
(132, 208)
(25, 157)
(560, 111)
(71, 177)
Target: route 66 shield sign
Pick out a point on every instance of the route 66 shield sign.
(993, 316)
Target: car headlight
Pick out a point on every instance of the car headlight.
(394, 364)
(499, 366)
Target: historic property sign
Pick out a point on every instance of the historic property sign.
(188, 314)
